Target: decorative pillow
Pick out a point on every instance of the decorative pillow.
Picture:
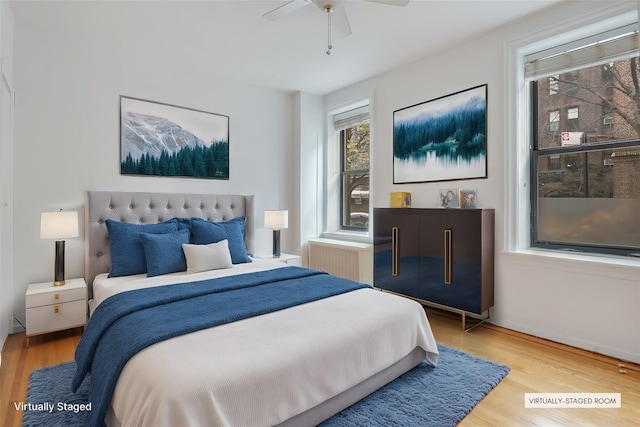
(164, 252)
(127, 253)
(206, 232)
(213, 256)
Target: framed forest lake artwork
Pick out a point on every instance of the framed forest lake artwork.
(444, 139)
(166, 140)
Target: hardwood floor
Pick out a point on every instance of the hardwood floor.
(541, 366)
(537, 366)
(18, 361)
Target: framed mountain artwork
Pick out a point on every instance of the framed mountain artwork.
(444, 139)
(159, 139)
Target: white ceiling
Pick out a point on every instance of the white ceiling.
(232, 37)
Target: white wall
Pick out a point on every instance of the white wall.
(67, 137)
(588, 302)
(310, 134)
(6, 171)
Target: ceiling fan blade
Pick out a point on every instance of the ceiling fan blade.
(285, 9)
(340, 22)
(391, 2)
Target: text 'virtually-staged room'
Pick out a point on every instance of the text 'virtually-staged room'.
(319, 213)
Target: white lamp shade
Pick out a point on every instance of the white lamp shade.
(276, 220)
(58, 225)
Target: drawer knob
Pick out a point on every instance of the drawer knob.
(56, 309)
(57, 296)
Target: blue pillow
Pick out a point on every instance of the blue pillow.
(183, 223)
(164, 252)
(206, 232)
(127, 253)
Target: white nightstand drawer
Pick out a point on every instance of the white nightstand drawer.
(56, 317)
(59, 295)
(54, 308)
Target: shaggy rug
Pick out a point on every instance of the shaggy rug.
(424, 396)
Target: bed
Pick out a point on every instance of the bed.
(296, 365)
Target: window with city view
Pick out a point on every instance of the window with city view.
(354, 142)
(585, 158)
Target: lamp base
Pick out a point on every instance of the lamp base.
(58, 278)
(276, 243)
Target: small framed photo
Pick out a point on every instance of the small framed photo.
(468, 199)
(449, 198)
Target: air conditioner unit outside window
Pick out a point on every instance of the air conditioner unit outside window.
(607, 120)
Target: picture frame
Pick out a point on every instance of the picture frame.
(449, 198)
(158, 139)
(468, 199)
(444, 139)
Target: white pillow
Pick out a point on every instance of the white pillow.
(213, 256)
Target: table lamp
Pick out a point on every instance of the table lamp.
(276, 220)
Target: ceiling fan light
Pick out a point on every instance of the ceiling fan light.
(324, 4)
(329, 7)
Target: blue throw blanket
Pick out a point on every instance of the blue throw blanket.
(128, 322)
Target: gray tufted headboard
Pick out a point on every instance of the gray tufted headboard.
(150, 208)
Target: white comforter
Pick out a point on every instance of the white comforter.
(263, 370)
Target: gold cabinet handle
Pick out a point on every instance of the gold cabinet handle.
(448, 271)
(394, 251)
(56, 309)
(57, 296)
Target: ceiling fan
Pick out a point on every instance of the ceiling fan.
(333, 8)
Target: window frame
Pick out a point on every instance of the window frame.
(518, 52)
(534, 155)
(579, 48)
(343, 175)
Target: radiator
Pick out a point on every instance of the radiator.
(351, 260)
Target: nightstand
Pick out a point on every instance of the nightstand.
(55, 308)
(286, 258)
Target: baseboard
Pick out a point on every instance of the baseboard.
(606, 351)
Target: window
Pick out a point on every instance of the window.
(572, 119)
(355, 177)
(354, 168)
(585, 170)
(554, 121)
(553, 84)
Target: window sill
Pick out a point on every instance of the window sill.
(609, 266)
(349, 236)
